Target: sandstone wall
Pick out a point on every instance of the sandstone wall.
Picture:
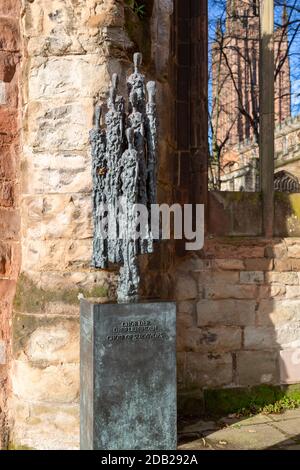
(238, 299)
(9, 188)
(238, 315)
(71, 49)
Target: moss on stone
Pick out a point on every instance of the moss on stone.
(220, 402)
(226, 401)
(292, 391)
(291, 201)
(294, 200)
(14, 446)
(30, 299)
(24, 325)
(248, 400)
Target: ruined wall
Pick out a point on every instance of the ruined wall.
(71, 49)
(9, 203)
(238, 316)
(237, 299)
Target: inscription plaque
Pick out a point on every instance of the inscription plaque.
(128, 376)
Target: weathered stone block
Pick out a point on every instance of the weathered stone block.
(271, 291)
(56, 254)
(211, 339)
(186, 307)
(226, 312)
(58, 216)
(250, 248)
(260, 264)
(276, 250)
(7, 67)
(76, 29)
(283, 264)
(45, 426)
(8, 7)
(295, 264)
(2, 93)
(234, 216)
(230, 291)
(46, 340)
(288, 335)
(290, 278)
(229, 264)
(207, 370)
(257, 367)
(294, 250)
(12, 96)
(7, 290)
(186, 287)
(58, 173)
(85, 281)
(260, 337)
(226, 277)
(2, 353)
(68, 77)
(8, 122)
(55, 383)
(276, 312)
(9, 38)
(195, 264)
(184, 321)
(160, 33)
(292, 292)
(34, 295)
(7, 196)
(7, 162)
(252, 277)
(5, 259)
(289, 361)
(56, 126)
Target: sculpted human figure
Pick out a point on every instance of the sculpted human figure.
(124, 175)
(136, 122)
(99, 173)
(152, 143)
(115, 137)
(129, 274)
(136, 83)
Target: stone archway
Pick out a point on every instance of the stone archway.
(286, 182)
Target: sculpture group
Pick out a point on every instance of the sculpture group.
(124, 152)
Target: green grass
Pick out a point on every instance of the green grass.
(285, 403)
(245, 401)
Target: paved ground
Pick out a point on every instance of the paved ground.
(280, 431)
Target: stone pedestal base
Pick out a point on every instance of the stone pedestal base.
(128, 376)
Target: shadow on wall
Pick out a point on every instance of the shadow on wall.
(238, 316)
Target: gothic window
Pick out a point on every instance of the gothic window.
(236, 62)
(286, 182)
